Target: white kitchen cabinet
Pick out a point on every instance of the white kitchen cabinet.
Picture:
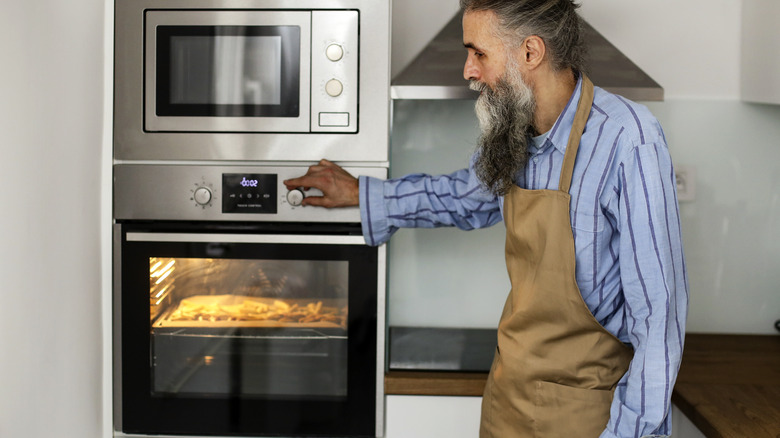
(423, 416)
(682, 427)
(760, 80)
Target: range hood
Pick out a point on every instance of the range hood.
(436, 73)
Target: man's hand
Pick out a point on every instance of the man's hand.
(339, 188)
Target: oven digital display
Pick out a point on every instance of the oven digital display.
(249, 193)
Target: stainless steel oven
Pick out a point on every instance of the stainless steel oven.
(251, 80)
(237, 313)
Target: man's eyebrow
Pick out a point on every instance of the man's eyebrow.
(470, 46)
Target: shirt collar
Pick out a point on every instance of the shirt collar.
(558, 135)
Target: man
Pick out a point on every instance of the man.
(591, 336)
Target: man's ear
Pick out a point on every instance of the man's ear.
(532, 52)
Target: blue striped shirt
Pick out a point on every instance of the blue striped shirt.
(625, 219)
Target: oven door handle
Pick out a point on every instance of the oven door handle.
(246, 238)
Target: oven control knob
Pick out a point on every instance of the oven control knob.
(334, 52)
(202, 195)
(334, 87)
(295, 197)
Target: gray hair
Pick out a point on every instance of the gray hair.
(555, 21)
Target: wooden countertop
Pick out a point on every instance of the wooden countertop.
(434, 383)
(728, 386)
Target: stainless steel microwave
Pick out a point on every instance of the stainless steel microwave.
(252, 80)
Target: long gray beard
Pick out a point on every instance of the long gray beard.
(505, 116)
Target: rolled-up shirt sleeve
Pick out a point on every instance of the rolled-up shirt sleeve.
(655, 289)
(424, 201)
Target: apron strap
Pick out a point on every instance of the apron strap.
(577, 127)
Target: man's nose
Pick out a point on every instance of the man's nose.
(470, 71)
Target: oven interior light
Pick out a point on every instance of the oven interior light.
(156, 271)
(162, 291)
(164, 276)
(162, 273)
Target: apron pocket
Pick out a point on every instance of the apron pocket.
(563, 411)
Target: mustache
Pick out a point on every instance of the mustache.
(477, 85)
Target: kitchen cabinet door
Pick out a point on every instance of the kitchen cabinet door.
(410, 416)
(760, 51)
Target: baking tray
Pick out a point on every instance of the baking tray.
(223, 311)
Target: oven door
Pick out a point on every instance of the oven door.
(234, 333)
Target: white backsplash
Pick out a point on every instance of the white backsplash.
(731, 230)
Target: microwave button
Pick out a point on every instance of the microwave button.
(334, 87)
(334, 119)
(334, 52)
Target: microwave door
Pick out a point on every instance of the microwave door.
(227, 71)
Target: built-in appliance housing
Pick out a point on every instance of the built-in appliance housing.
(267, 80)
(236, 311)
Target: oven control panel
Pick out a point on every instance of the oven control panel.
(221, 193)
(249, 193)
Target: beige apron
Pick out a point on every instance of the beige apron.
(555, 368)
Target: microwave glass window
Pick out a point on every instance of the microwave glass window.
(260, 328)
(228, 71)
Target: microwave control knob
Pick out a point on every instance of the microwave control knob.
(202, 195)
(334, 52)
(334, 87)
(295, 197)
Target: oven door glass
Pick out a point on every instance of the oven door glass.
(248, 334)
(232, 71)
(252, 327)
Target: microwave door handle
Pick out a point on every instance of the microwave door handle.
(246, 238)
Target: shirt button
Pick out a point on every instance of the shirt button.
(536, 159)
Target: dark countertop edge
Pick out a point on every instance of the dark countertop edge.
(442, 383)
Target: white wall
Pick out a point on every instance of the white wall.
(731, 231)
(51, 115)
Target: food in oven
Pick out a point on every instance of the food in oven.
(249, 311)
(210, 292)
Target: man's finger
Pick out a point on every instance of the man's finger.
(307, 180)
(315, 201)
(304, 179)
(326, 163)
(294, 182)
